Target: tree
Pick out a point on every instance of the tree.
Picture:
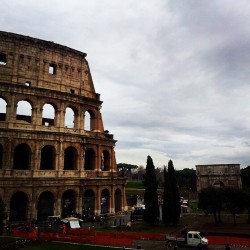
(151, 213)
(234, 200)
(171, 208)
(3, 215)
(247, 202)
(210, 201)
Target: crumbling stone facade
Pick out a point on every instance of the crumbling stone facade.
(218, 175)
(49, 165)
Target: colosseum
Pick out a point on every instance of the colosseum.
(55, 156)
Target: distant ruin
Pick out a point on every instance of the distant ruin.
(218, 175)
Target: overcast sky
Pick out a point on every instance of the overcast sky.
(174, 75)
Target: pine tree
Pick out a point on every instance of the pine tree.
(171, 198)
(151, 213)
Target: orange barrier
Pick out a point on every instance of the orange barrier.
(223, 240)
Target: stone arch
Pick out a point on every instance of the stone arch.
(90, 159)
(89, 120)
(18, 206)
(45, 206)
(68, 203)
(89, 201)
(105, 160)
(218, 183)
(48, 155)
(3, 59)
(70, 117)
(3, 109)
(22, 155)
(70, 158)
(118, 200)
(24, 111)
(105, 198)
(48, 114)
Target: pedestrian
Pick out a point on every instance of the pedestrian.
(64, 229)
(227, 247)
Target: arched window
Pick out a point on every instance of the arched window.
(105, 201)
(88, 202)
(69, 117)
(48, 115)
(3, 59)
(70, 158)
(3, 105)
(45, 206)
(89, 163)
(105, 161)
(118, 200)
(68, 203)
(24, 111)
(87, 121)
(18, 206)
(21, 157)
(47, 161)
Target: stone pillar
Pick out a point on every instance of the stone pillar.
(57, 206)
(60, 157)
(98, 200)
(124, 200)
(112, 200)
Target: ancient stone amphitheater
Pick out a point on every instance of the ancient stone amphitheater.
(55, 156)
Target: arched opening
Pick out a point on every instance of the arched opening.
(68, 203)
(48, 115)
(69, 117)
(1, 156)
(3, 59)
(87, 121)
(105, 161)
(21, 157)
(18, 206)
(70, 158)
(105, 201)
(88, 203)
(218, 183)
(47, 158)
(118, 200)
(89, 163)
(24, 111)
(3, 105)
(45, 205)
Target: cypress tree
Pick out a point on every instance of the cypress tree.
(151, 213)
(171, 198)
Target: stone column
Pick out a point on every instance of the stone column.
(112, 200)
(98, 200)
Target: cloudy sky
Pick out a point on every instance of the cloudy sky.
(173, 75)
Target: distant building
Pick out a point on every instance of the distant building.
(218, 175)
(61, 162)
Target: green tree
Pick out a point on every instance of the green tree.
(234, 200)
(247, 202)
(245, 176)
(3, 215)
(151, 213)
(210, 201)
(171, 198)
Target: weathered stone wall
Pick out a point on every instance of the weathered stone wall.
(42, 155)
(218, 175)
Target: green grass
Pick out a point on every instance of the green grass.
(135, 184)
(67, 246)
